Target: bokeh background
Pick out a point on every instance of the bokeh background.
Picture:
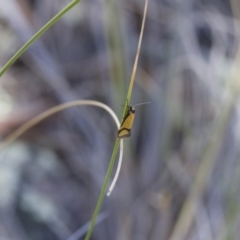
(180, 178)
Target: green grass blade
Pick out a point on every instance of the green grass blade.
(103, 190)
(37, 35)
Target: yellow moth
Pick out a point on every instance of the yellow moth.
(126, 126)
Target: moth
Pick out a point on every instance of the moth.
(126, 126)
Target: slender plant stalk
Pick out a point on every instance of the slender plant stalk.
(37, 35)
(129, 94)
(138, 52)
(111, 164)
(103, 190)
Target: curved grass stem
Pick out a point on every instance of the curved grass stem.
(34, 121)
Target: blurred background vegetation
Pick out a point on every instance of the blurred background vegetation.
(181, 168)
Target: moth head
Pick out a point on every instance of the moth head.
(131, 109)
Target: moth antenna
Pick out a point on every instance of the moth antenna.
(141, 104)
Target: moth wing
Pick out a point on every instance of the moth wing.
(128, 121)
(125, 129)
(124, 133)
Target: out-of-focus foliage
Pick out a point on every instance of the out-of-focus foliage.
(50, 179)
